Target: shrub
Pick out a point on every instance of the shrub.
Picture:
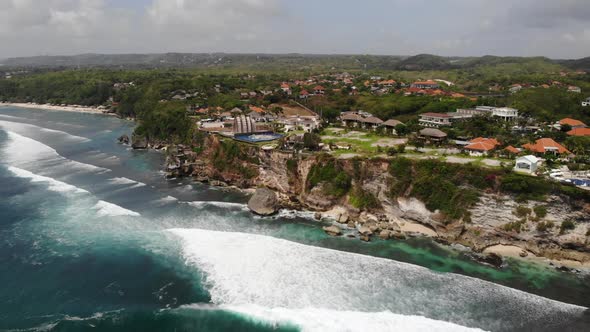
(327, 171)
(566, 225)
(292, 165)
(540, 211)
(544, 226)
(362, 199)
(522, 211)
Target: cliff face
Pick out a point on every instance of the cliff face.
(364, 200)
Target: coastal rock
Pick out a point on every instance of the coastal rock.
(139, 142)
(385, 234)
(264, 202)
(332, 230)
(343, 218)
(317, 216)
(365, 230)
(490, 259)
(123, 139)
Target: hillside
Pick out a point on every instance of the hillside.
(287, 61)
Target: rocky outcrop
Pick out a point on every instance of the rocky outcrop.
(123, 139)
(264, 202)
(139, 142)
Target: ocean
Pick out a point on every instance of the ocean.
(93, 237)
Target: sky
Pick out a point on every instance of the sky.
(554, 28)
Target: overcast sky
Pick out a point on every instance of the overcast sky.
(553, 28)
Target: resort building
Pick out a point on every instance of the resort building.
(505, 113)
(527, 164)
(425, 85)
(244, 125)
(435, 119)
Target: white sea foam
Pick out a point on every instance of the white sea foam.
(243, 269)
(316, 319)
(53, 184)
(23, 149)
(292, 214)
(225, 205)
(26, 127)
(126, 181)
(112, 210)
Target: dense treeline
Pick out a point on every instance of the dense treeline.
(221, 88)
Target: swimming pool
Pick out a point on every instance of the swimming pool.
(579, 182)
(258, 137)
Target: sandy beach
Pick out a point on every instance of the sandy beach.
(66, 108)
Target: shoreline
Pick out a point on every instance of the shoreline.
(65, 108)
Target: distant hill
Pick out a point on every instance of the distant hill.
(580, 64)
(425, 62)
(288, 61)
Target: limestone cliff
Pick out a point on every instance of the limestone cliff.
(357, 193)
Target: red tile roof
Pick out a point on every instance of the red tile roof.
(483, 144)
(579, 132)
(319, 88)
(542, 144)
(572, 122)
(512, 149)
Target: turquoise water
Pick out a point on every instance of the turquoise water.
(93, 237)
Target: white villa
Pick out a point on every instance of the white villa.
(586, 102)
(505, 113)
(527, 164)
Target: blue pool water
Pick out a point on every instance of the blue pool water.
(258, 137)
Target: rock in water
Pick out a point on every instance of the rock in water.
(139, 142)
(264, 202)
(123, 139)
(333, 230)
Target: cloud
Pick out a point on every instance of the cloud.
(446, 27)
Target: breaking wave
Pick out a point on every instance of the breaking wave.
(243, 269)
(105, 209)
(53, 184)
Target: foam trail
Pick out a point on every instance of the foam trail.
(25, 127)
(316, 319)
(273, 273)
(106, 209)
(53, 184)
(126, 181)
(225, 205)
(22, 149)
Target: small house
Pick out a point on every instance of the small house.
(390, 125)
(482, 146)
(546, 145)
(574, 89)
(527, 164)
(586, 102)
(351, 120)
(432, 134)
(371, 122)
